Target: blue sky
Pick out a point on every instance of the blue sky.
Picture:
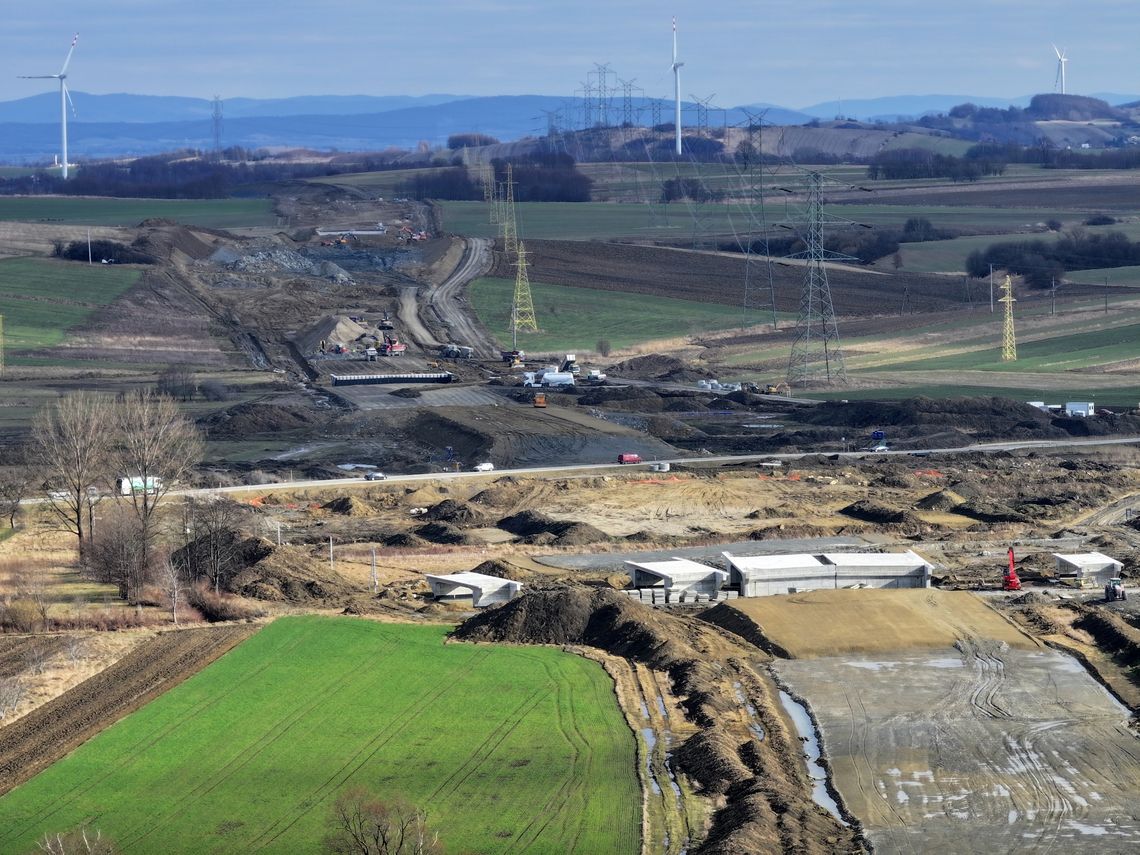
(789, 53)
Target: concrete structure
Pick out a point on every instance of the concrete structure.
(1086, 569)
(764, 575)
(677, 578)
(1080, 409)
(481, 589)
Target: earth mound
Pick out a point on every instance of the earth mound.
(405, 540)
(874, 512)
(454, 512)
(290, 574)
(331, 329)
(229, 552)
(939, 500)
(532, 525)
(441, 532)
(788, 532)
(658, 366)
(348, 506)
(252, 418)
(504, 570)
(989, 512)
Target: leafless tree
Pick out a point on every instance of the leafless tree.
(156, 444)
(115, 554)
(174, 587)
(32, 586)
(362, 824)
(75, 646)
(177, 381)
(71, 440)
(36, 658)
(80, 841)
(12, 690)
(15, 484)
(214, 525)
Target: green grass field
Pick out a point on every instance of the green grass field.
(214, 213)
(504, 747)
(575, 319)
(41, 299)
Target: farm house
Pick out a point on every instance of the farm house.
(1086, 568)
(481, 589)
(678, 577)
(764, 575)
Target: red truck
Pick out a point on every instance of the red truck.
(629, 458)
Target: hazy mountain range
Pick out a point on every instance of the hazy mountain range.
(110, 125)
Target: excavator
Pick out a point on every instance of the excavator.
(1010, 581)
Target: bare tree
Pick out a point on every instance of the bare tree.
(71, 439)
(174, 587)
(362, 824)
(15, 484)
(32, 586)
(156, 445)
(80, 841)
(214, 525)
(177, 381)
(36, 658)
(115, 554)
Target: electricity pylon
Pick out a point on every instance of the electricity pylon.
(509, 224)
(816, 355)
(522, 313)
(1008, 334)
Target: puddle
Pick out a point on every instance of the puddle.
(753, 725)
(650, 743)
(810, 740)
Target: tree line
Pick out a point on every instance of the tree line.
(543, 176)
(1043, 262)
(909, 163)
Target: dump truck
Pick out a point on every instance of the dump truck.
(392, 346)
(570, 365)
(629, 457)
(456, 351)
(513, 357)
(540, 399)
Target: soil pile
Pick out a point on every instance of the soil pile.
(348, 506)
(940, 500)
(250, 419)
(455, 512)
(786, 531)
(504, 570)
(227, 553)
(989, 511)
(533, 526)
(331, 329)
(1112, 633)
(874, 512)
(404, 540)
(159, 241)
(441, 532)
(980, 417)
(290, 574)
(657, 366)
(767, 804)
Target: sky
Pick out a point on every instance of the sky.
(794, 53)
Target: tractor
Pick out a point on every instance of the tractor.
(1114, 590)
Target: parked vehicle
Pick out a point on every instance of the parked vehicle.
(629, 457)
(133, 486)
(484, 467)
(557, 378)
(375, 476)
(540, 399)
(1114, 590)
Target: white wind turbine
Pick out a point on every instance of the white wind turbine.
(1061, 60)
(64, 98)
(676, 89)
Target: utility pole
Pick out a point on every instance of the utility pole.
(217, 120)
(332, 569)
(991, 289)
(89, 261)
(1053, 297)
(375, 579)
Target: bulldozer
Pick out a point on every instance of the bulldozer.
(1114, 590)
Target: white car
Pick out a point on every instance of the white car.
(484, 467)
(880, 447)
(375, 476)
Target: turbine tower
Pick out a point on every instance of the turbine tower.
(676, 91)
(64, 98)
(1061, 60)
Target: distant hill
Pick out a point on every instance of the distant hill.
(899, 107)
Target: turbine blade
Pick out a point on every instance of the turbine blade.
(1056, 52)
(67, 92)
(67, 61)
(38, 76)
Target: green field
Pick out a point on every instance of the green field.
(504, 747)
(575, 319)
(213, 213)
(41, 299)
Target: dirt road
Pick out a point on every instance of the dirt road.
(448, 302)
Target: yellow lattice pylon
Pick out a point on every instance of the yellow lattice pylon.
(1009, 336)
(522, 315)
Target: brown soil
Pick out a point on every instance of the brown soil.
(45, 735)
(868, 621)
(766, 800)
(291, 574)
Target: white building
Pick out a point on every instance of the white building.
(764, 575)
(482, 590)
(677, 577)
(1086, 568)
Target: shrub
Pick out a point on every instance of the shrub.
(1100, 220)
(221, 607)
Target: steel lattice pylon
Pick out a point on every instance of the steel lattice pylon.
(509, 224)
(1009, 336)
(816, 355)
(522, 314)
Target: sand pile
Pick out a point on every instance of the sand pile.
(331, 329)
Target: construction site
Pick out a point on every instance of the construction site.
(832, 624)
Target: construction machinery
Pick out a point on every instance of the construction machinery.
(514, 358)
(385, 322)
(540, 399)
(1114, 590)
(1010, 580)
(392, 346)
(570, 365)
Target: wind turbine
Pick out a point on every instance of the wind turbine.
(676, 89)
(1061, 60)
(64, 98)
